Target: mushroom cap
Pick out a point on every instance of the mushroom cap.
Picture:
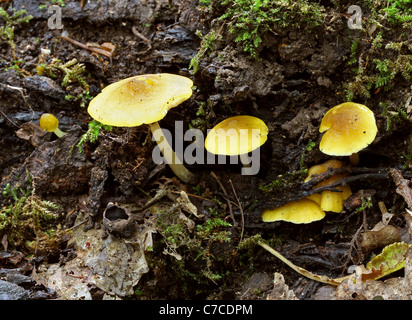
(48, 122)
(350, 127)
(329, 200)
(140, 99)
(236, 135)
(302, 211)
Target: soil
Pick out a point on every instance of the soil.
(298, 77)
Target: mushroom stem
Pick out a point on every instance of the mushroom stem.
(59, 133)
(170, 156)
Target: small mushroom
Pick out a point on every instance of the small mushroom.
(348, 128)
(237, 136)
(50, 123)
(302, 211)
(329, 200)
(145, 99)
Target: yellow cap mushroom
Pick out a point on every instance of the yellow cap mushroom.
(50, 123)
(144, 99)
(302, 211)
(236, 136)
(140, 99)
(329, 200)
(349, 128)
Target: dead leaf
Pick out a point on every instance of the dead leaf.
(33, 133)
(114, 265)
(390, 260)
(372, 240)
(399, 288)
(187, 205)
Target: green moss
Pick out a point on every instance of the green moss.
(204, 114)
(406, 159)
(91, 135)
(73, 71)
(284, 180)
(353, 51)
(7, 29)
(366, 203)
(379, 74)
(27, 220)
(207, 45)
(388, 20)
(191, 251)
(249, 20)
(395, 115)
(398, 11)
(83, 98)
(303, 169)
(49, 3)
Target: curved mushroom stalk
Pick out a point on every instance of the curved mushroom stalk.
(170, 156)
(59, 133)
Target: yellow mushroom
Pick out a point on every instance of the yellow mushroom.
(50, 123)
(329, 200)
(302, 211)
(237, 136)
(348, 128)
(145, 99)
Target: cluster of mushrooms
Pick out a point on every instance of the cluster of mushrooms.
(348, 128)
(146, 99)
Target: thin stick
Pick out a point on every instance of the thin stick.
(191, 195)
(240, 208)
(345, 181)
(377, 173)
(227, 199)
(141, 36)
(78, 224)
(8, 119)
(83, 46)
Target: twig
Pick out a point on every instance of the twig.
(343, 182)
(9, 119)
(228, 201)
(78, 224)
(240, 208)
(141, 36)
(83, 46)
(317, 178)
(22, 95)
(191, 195)
(353, 243)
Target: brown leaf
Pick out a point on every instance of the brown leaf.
(33, 133)
(372, 240)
